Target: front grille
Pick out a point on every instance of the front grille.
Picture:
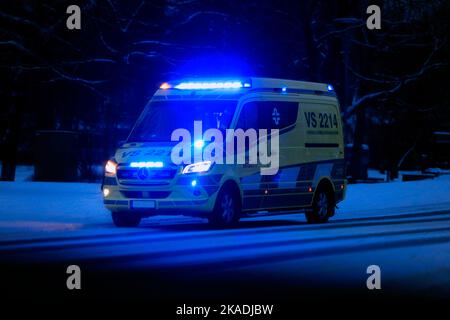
(146, 194)
(145, 176)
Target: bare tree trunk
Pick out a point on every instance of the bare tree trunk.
(358, 168)
(11, 139)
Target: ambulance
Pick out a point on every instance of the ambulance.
(142, 180)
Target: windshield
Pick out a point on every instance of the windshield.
(161, 118)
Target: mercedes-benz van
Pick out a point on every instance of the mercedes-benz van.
(307, 165)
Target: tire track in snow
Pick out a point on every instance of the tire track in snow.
(155, 250)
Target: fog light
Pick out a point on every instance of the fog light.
(106, 192)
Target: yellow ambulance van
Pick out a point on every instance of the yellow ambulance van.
(301, 119)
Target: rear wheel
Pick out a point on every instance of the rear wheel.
(322, 208)
(227, 209)
(126, 219)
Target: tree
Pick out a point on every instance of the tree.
(384, 68)
(97, 79)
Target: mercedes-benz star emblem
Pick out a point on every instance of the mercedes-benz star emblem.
(142, 173)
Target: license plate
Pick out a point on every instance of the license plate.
(143, 204)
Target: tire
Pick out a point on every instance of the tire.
(125, 219)
(227, 209)
(322, 208)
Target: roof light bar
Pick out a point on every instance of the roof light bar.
(212, 85)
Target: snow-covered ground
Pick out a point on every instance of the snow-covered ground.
(424, 195)
(23, 173)
(404, 227)
(30, 209)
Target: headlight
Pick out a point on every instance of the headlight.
(111, 167)
(198, 167)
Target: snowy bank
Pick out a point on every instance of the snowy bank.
(39, 207)
(424, 195)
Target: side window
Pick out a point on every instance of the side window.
(268, 115)
(277, 114)
(248, 117)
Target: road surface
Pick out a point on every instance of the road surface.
(277, 256)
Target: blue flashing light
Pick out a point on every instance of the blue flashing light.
(147, 164)
(199, 144)
(234, 84)
(284, 89)
(330, 87)
(193, 183)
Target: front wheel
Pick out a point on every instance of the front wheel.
(227, 209)
(322, 208)
(125, 219)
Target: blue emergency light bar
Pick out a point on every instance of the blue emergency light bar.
(203, 85)
(210, 85)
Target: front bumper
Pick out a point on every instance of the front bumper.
(176, 198)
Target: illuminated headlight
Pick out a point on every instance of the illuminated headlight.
(111, 167)
(198, 167)
(199, 144)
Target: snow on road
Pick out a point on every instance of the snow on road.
(29, 209)
(402, 226)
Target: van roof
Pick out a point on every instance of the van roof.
(242, 86)
(292, 84)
